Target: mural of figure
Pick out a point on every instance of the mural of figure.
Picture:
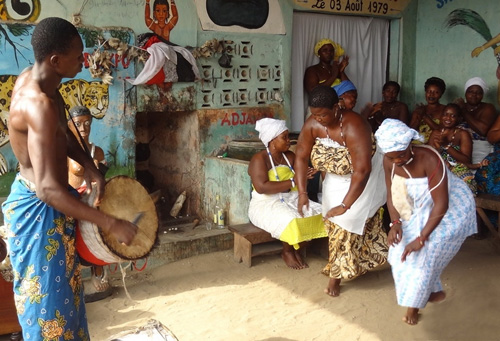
(473, 20)
(496, 52)
(162, 23)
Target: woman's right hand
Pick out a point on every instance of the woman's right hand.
(395, 234)
(303, 201)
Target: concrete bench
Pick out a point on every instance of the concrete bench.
(251, 241)
(488, 202)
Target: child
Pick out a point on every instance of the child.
(161, 25)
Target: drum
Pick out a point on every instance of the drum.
(124, 198)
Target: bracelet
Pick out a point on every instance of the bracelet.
(303, 193)
(344, 206)
(397, 221)
(421, 240)
(293, 182)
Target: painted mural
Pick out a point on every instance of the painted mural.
(114, 128)
(474, 21)
(19, 10)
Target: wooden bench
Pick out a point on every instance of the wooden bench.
(251, 241)
(488, 202)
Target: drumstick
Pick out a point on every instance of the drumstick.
(138, 217)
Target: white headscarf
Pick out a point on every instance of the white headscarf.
(476, 81)
(393, 135)
(269, 128)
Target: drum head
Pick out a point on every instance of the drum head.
(125, 198)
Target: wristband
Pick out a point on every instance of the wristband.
(421, 240)
(397, 221)
(344, 206)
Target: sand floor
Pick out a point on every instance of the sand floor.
(210, 297)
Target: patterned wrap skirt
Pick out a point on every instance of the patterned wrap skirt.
(47, 284)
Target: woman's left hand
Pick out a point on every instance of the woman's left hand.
(414, 246)
(335, 211)
(310, 172)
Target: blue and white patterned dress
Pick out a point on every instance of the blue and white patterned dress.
(48, 291)
(419, 275)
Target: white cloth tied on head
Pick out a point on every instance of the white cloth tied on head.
(269, 128)
(476, 81)
(393, 135)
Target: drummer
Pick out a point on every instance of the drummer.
(40, 209)
(80, 122)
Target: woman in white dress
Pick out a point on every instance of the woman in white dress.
(432, 212)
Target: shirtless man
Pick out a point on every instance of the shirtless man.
(40, 210)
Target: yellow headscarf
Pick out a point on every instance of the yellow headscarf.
(339, 51)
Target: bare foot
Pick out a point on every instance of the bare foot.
(333, 288)
(438, 296)
(302, 263)
(99, 279)
(411, 316)
(291, 260)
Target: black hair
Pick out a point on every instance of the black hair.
(52, 35)
(78, 111)
(392, 83)
(457, 108)
(161, 2)
(437, 82)
(323, 97)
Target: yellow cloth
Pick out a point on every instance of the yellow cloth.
(339, 51)
(281, 219)
(335, 83)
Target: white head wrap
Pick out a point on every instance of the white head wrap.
(393, 135)
(476, 81)
(269, 128)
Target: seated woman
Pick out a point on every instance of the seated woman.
(273, 206)
(432, 212)
(329, 71)
(339, 143)
(478, 117)
(390, 107)
(425, 118)
(455, 145)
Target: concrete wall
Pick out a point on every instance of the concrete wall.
(446, 52)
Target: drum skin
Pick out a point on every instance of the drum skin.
(124, 198)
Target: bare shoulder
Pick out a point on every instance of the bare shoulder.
(355, 122)
(29, 102)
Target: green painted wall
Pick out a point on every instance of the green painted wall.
(446, 53)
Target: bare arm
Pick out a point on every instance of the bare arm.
(404, 114)
(45, 143)
(147, 15)
(493, 135)
(175, 15)
(483, 122)
(303, 153)
(417, 116)
(396, 233)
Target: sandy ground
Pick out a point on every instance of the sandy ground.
(210, 297)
